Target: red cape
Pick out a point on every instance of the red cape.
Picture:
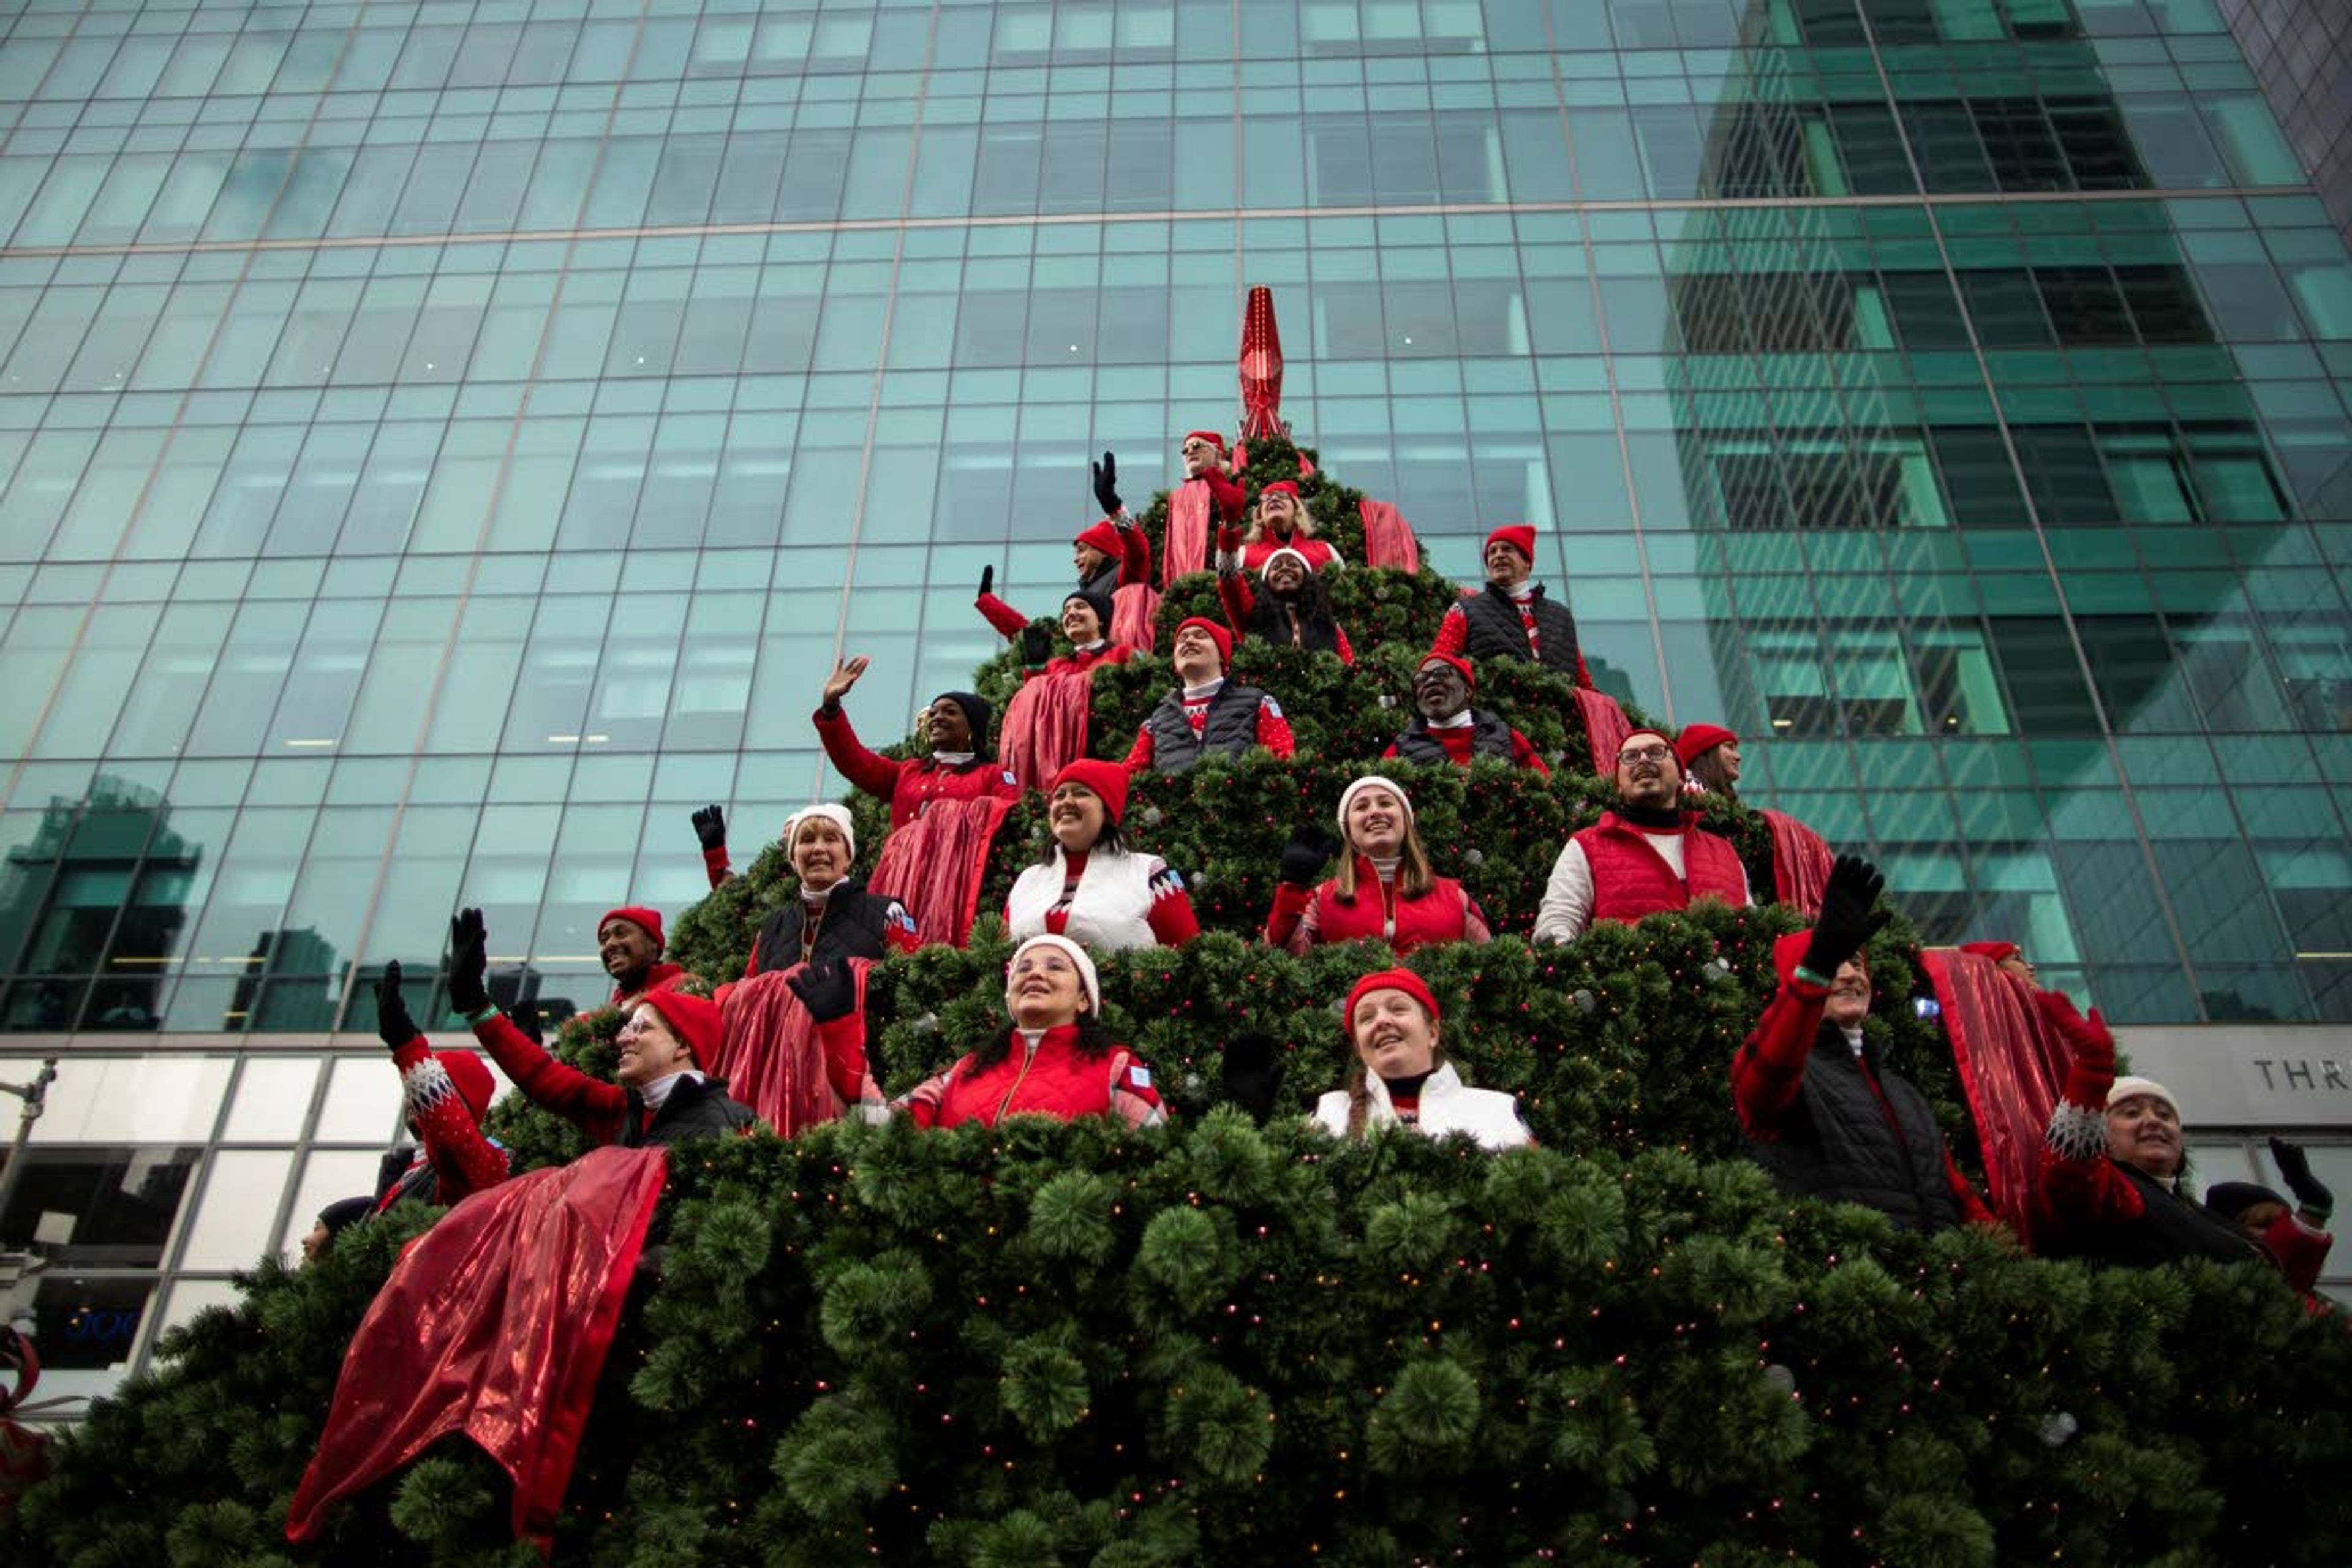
(1046, 726)
(1801, 863)
(771, 1056)
(1605, 728)
(1185, 547)
(1388, 538)
(1134, 612)
(2012, 1064)
(493, 1326)
(934, 865)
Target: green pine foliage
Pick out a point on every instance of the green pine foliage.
(1076, 1344)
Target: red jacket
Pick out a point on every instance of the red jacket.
(1445, 913)
(1056, 1079)
(909, 783)
(1630, 881)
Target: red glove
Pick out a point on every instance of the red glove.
(2091, 1045)
(1231, 498)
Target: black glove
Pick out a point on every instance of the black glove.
(827, 990)
(2294, 1170)
(1848, 914)
(987, 581)
(711, 827)
(393, 1023)
(1106, 484)
(1253, 1074)
(469, 962)
(1303, 857)
(1037, 646)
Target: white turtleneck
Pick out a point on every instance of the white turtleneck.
(654, 1093)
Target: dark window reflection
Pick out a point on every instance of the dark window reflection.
(118, 1203)
(89, 1323)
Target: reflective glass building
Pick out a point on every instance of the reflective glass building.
(441, 444)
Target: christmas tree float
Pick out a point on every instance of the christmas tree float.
(1073, 1343)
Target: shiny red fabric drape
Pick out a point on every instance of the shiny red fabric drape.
(1046, 726)
(1801, 863)
(494, 1326)
(934, 866)
(771, 1056)
(1185, 547)
(2012, 1064)
(1605, 728)
(1133, 612)
(1388, 537)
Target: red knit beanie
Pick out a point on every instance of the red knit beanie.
(1286, 487)
(695, 1020)
(1103, 536)
(1994, 951)
(1403, 980)
(1217, 634)
(1631, 735)
(475, 1085)
(1469, 675)
(1107, 780)
(1520, 536)
(645, 920)
(1697, 740)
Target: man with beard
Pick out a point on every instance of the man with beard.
(1511, 617)
(1646, 855)
(629, 942)
(955, 728)
(1821, 1111)
(1448, 730)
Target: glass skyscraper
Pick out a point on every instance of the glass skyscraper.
(443, 444)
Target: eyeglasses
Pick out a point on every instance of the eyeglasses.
(1646, 754)
(1191, 447)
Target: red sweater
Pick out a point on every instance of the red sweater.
(464, 1161)
(909, 783)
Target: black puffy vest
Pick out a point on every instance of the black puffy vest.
(1230, 728)
(2170, 1227)
(1489, 737)
(1492, 621)
(694, 1108)
(852, 926)
(1840, 1149)
(1270, 619)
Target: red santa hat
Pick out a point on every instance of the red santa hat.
(645, 920)
(1217, 634)
(1469, 675)
(1210, 437)
(1282, 487)
(1992, 950)
(1403, 980)
(695, 1020)
(1103, 536)
(1108, 781)
(475, 1085)
(1697, 740)
(1520, 536)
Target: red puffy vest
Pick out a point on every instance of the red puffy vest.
(1631, 879)
(1053, 1080)
(1435, 916)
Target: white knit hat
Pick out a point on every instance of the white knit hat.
(1077, 955)
(836, 814)
(2124, 1088)
(1374, 781)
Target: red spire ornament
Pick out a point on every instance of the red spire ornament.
(1261, 367)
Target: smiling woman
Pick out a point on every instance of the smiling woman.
(1090, 885)
(1055, 1059)
(1401, 1076)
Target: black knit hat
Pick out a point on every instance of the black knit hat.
(1098, 603)
(2231, 1199)
(976, 713)
(346, 1212)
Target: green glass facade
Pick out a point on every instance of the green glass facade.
(443, 444)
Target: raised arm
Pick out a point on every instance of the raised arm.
(464, 1160)
(710, 829)
(592, 1105)
(874, 773)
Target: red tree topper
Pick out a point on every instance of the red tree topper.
(1261, 367)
